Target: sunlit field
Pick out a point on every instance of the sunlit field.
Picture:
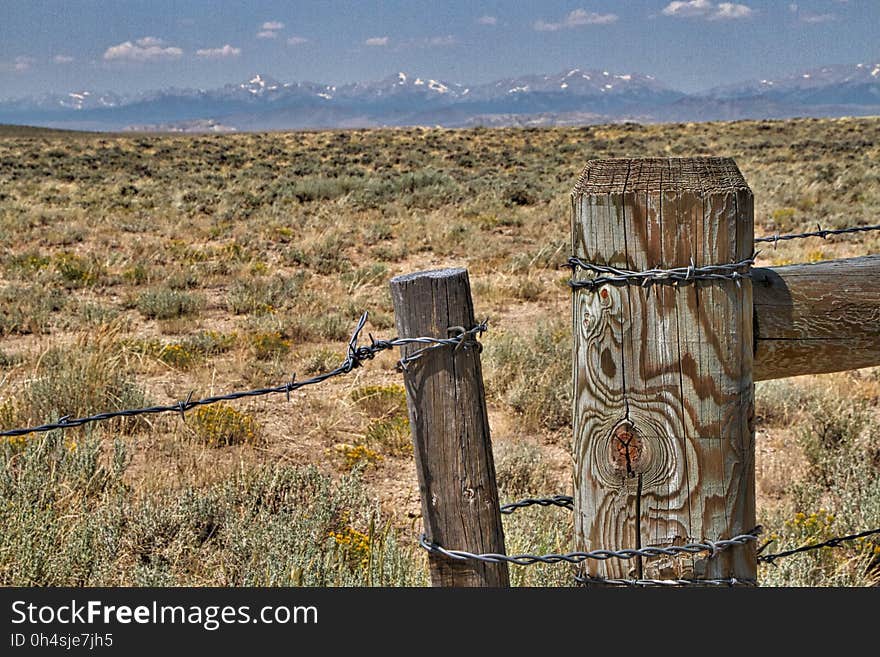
(139, 269)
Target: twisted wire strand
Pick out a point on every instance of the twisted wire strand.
(567, 502)
(644, 583)
(830, 543)
(356, 355)
(564, 501)
(608, 275)
(713, 547)
(819, 232)
(737, 271)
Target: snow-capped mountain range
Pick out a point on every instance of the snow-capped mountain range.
(569, 97)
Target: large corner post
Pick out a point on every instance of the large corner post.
(663, 387)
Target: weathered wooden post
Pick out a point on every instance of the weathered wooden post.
(450, 428)
(663, 405)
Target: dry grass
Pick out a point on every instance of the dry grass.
(160, 265)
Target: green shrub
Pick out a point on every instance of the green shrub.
(328, 256)
(321, 188)
(364, 276)
(70, 519)
(26, 265)
(388, 421)
(83, 378)
(329, 325)
(9, 359)
(322, 360)
(185, 353)
(263, 295)
(177, 355)
(220, 425)
(531, 373)
(211, 343)
(26, 309)
(78, 271)
(268, 344)
(840, 494)
(520, 471)
(165, 303)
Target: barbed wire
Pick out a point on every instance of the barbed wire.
(461, 338)
(564, 501)
(819, 232)
(567, 502)
(830, 543)
(728, 582)
(712, 547)
(735, 271)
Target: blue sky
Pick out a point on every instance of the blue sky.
(130, 45)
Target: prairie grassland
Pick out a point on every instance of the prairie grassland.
(138, 268)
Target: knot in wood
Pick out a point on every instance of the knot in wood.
(588, 319)
(626, 449)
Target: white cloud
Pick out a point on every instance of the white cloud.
(447, 40)
(296, 41)
(223, 52)
(731, 10)
(487, 20)
(708, 10)
(62, 59)
(817, 18)
(149, 42)
(687, 8)
(267, 34)
(22, 63)
(576, 18)
(145, 49)
(273, 25)
(376, 41)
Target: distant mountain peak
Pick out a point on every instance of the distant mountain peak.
(439, 87)
(260, 83)
(573, 96)
(822, 79)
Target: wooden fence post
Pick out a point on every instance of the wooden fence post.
(663, 404)
(450, 428)
(816, 318)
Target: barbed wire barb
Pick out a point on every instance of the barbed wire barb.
(837, 541)
(713, 547)
(644, 583)
(819, 232)
(563, 501)
(290, 385)
(183, 406)
(355, 356)
(608, 275)
(598, 555)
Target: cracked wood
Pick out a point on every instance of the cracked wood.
(450, 429)
(663, 429)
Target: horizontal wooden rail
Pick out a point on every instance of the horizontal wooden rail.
(816, 318)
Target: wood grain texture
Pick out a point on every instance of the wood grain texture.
(663, 405)
(450, 428)
(812, 319)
